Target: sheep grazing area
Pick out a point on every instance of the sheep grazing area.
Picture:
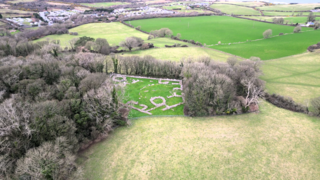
(236, 10)
(113, 32)
(295, 76)
(274, 143)
(152, 96)
(237, 36)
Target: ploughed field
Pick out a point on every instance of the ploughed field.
(273, 144)
(238, 36)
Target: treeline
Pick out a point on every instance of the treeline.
(214, 88)
(90, 1)
(74, 21)
(38, 6)
(50, 108)
(210, 87)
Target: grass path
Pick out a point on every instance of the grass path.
(295, 76)
(274, 144)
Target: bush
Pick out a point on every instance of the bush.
(267, 34)
(83, 40)
(297, 29)
(285, 102)
(315, 106)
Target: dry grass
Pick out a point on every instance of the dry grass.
(295, 76)
(274, 144)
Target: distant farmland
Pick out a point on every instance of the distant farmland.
(210, 30)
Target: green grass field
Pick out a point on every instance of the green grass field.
(210, 30)
(273, 144)
(176, 54)
(249, 3)
(274, 48)
(294, 20)
(113, 32)
(298, 7)
(145, 89)
(295, 76)
(271, 13)
(104, 4)
(237, 10)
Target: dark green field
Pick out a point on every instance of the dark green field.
(212, 29)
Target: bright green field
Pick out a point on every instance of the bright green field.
(103, 4)
(294, 20)
(113, 32)
(270, 13)
(250, 3)
(143, 90)
(238, 10)
(273, 144)
(176, 54)
(295, 76)
(276, 47)
(210, 30)
(298, 7)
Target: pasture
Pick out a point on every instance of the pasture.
(273, 48)
(104, 4)
(113, 32)
(290, 20)
(210, 30)
(154, 96)
(248, 3)
(295, 76)
(298, 7)
(178, 53)
(237, 10)
(274, 143)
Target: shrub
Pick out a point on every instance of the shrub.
(83, 40)
(285, 102)
(315, 106)
(297, 29)
(267, 34)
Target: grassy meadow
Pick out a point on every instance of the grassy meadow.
(272, 144)
(144, 89)
(298, 7)
(113, 32)
(248, 3)
(273, 48)
(295, 76)
(176, 54)
(210, 30)
(237, 10)
(291, 19)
